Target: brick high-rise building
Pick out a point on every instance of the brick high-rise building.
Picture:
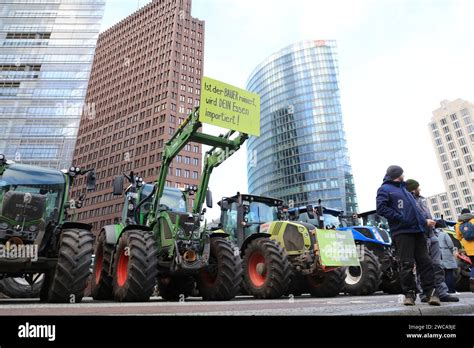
(146, 78)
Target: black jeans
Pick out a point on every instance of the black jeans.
(411, 248)
(450, 280)
(472, 268)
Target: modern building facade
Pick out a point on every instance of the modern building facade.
(301, 155)
(440, 206)
(46, 53)
(145, 80)
(452, 134)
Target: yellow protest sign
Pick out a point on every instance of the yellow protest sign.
(229, 107)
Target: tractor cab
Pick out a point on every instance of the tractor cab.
(322, 217)
(30, 198)
(243, 215)
(139, 198)
(371, 218)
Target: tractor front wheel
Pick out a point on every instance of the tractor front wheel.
(267, 271)
(221, 279)
(135, 266)
(366, 279)
(68, 280)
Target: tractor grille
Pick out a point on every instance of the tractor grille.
(23, 206)
(293, 239)
(188, 223)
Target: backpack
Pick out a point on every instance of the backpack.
(467, 230)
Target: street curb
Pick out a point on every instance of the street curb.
(424, 310)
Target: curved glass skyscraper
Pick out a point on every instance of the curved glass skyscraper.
(301, 155)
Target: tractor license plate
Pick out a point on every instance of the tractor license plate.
(337, 248)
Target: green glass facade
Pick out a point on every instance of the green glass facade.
(46, 53)
(301, 155)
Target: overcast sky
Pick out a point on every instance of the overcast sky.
(398, 59)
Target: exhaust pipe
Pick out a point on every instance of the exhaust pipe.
(190, 256)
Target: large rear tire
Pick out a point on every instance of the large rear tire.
(328, 284)
(135, 266)
(67, 282)
(220, 281)
(366, 279)
(20, 288)
(102, 282)
(267, 271)
(175, 288)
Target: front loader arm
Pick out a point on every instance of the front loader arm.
(214, 158)
(189, 132)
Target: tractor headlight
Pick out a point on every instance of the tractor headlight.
(196, 234)
(378, 236)
(3, 226)
(33, 228)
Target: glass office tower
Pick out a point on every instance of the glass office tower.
(46, 53)
(301, 155)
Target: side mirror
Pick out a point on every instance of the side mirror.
(225, 206)
(209, 202)
(310, 211)
(91, 181)
(118, 185)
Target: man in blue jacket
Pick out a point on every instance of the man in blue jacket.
(408, 229)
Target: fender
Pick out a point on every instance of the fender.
(113, 232)
(219, 234)
(252, 238)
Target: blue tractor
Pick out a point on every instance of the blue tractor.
(378, 265)
(379, 255)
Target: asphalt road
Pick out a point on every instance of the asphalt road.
(379, 304)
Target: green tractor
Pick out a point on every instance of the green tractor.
(43, 251)
(160, 239)
(283, 257)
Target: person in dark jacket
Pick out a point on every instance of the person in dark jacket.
(408, 228)
(448, 258)
(433, 246)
